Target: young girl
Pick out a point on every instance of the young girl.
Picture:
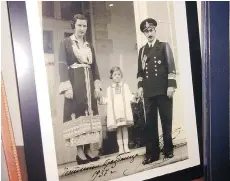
(119, 113)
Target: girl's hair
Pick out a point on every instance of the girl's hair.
(113, 69)
(75, 18)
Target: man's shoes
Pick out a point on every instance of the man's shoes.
(169, 155)
(149, 159)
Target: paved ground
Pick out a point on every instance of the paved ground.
(114, 166)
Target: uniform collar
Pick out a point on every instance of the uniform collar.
(156, 45)
(152, 44)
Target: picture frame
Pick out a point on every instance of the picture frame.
(215, 71)
(13, 155)
(41, 167)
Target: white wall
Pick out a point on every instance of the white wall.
(4, 171)
(163, 12)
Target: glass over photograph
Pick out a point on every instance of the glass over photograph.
(116, 97)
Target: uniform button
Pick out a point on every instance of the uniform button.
(155, 74)
(155, 69)
(146, 68)
(146, 72)
(154, 57)
(147, 76)
(155, 65)
(155, 61)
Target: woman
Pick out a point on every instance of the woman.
(80, 84)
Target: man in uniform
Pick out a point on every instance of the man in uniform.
(156, 84)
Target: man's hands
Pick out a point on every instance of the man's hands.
(140, 92)
(170, 92)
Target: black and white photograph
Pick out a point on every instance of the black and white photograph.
(120, 88)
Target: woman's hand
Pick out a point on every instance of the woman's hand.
(97, 93)
(69, 94)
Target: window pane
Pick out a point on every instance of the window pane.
(69, 9)
(48, 42)
(48, 9)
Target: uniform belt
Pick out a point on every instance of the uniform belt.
(76, 65)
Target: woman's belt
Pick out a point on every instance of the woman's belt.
(88, 88)
(77, 65)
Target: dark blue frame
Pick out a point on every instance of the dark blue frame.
(27, 93)
(215, 30)
(28, 97)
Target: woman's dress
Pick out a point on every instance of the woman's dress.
(78, 71)
(118, 100)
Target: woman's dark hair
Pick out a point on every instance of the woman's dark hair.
(75, 18)
(113, 69)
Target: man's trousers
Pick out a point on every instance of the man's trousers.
(165, 105)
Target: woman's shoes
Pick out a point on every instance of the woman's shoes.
(92, 159)
(81, 161)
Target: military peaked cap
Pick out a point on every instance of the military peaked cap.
(148, 23)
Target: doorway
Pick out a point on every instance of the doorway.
(111, 30)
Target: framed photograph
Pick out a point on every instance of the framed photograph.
(106, 89)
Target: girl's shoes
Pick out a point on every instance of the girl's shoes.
(121, 150)
(124, 150)
(127, 150)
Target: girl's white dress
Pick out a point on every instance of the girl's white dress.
(118, 100)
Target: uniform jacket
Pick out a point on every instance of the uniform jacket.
(156, 69)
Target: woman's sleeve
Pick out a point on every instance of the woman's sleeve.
(95, 71)
(104, 100)
(63, 70)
